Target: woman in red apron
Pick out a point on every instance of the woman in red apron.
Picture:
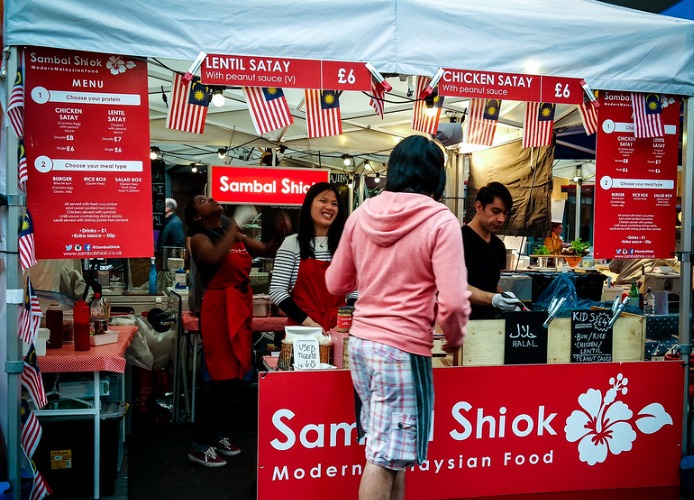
(223, 260)
(298, 276)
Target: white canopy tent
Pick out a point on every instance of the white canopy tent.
(610, 47)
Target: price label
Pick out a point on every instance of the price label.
(562, 90)
(346, 76)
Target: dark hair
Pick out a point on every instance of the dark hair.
(556, 225)
(307, 232)
(493, 190)
(417, 165)
(189, 216)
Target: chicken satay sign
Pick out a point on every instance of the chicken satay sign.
(263, 186)
(87, 149)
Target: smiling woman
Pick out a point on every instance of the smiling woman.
(298, 278)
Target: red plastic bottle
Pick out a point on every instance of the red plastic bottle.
(81, 325)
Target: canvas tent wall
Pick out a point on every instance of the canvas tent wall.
(610, 47)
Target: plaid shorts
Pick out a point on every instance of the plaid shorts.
(386, 384)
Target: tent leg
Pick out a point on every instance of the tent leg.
(686, 265)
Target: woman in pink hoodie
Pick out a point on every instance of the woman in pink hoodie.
(402, 250)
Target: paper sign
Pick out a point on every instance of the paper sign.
(306, 353)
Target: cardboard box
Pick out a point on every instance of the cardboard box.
(662, 282)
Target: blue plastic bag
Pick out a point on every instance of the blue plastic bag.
(564, 285)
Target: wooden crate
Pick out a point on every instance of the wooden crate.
(484, 342)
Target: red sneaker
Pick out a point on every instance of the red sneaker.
(226, 448)
(208, 458)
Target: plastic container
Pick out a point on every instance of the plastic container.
(97, 317)
(54, 323)
(81, 325)
(261, 306)
(67, 462)
(180, 275)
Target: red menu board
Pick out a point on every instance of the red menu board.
(263, 186)
(282, 72)
(87, 146)
(636, 182)
(510, 86)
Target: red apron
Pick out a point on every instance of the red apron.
(312, 296)
(226, 317)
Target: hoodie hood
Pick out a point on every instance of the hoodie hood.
(389, 216)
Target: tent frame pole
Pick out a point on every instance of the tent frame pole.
(685, 309)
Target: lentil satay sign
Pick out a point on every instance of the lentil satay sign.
(87, 146)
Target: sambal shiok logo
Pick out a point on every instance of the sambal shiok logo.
(117, 65)
(602, 425)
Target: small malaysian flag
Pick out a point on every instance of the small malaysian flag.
(268, 107)
(15, 108)
(482, 121)
(41, 488)
(647, 110)
(22, 171)
(27, 251)
(29, 317)
(31, 429)
(539, 119)
(322, 113)
(31, 378)
(378, 95)
(589, 117)
(189, 105)
(426, 119)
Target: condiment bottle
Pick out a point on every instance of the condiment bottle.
(54, 323)
(81, 325)
(634, 294)
(152, 277)
(649, 303)
(97, 316)
(344, 319)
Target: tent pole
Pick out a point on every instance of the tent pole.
(685, 346)
(11, 216)
(579, 183)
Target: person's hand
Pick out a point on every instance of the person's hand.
(309, 322)
(507, 302)
(245, 214)
(449, 349)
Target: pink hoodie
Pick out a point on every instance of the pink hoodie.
(399, 250)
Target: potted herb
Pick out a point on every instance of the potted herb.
(573, 254)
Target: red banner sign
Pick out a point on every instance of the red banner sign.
(636, 182)
(87, 146)
(510, 86)
(283, 72)
(498, 430)
(263, 186)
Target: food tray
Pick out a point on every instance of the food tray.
(110, 337)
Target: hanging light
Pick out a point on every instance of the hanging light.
(367, 164)
(222, 153)
(218, 97)
(347, 160)
(193, 168)
(350, 183)
(378, 177)
(154, 153)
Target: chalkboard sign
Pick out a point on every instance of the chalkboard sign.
(591, 337)
(525, 339)
(306, 353)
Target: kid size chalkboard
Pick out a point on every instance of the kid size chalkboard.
(591, 337)
(525, 339)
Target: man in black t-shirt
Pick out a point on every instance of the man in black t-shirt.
(485, 253)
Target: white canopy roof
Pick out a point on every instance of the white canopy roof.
(610, 47)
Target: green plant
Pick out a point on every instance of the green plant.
(579, 247)
(543, 250)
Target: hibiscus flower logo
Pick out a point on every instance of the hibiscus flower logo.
(117, 66)
(603, 424)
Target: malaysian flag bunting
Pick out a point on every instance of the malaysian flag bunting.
(482, 121)
(22, 171)
(41, 488)
(268, 107)
(29, 315)
(378, 93)
(322, 113)
(189, 105)
(423, 121)
(647, 110)
(589, 117)
(15, 108)
(27, 252)
(31, 378)
(539, 119)
(31, 430)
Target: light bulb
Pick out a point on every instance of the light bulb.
(377, 179)
(153, 155)
(194, 169)
(218, 98)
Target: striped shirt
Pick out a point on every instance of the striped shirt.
(286, 270)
